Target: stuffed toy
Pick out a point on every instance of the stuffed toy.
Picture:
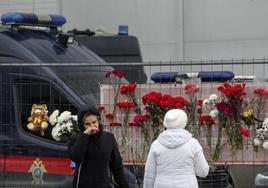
(262, 135)
(38, 121)
(64, 125)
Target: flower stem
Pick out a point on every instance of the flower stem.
(124, 129)
(216, 153)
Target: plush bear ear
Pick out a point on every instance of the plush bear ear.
(44, 106)
(33, 109)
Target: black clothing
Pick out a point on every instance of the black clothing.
(97, 154)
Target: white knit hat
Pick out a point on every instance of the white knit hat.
(175, 118)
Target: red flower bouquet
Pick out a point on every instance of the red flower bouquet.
(230, 115)
(207, 121)
(157, 104)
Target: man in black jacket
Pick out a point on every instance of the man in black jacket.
(96, 154)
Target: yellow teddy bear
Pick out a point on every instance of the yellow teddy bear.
(38, 121)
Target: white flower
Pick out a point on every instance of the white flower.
(214, 113)
(69, 126)
(74, 117)
(64, 116)
(213, 97)
(53, 117)
(265, 122)
(205, 101)
(63, 124)
(55, 132)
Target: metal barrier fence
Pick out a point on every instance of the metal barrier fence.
(48, 87)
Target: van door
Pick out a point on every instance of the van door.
(32, 158)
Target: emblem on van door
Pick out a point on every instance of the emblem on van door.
(37, 169)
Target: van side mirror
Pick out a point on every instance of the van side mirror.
(65, 39)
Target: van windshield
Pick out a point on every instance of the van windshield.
(87, 84)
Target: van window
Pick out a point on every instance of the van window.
(87, 84)
(40, 95)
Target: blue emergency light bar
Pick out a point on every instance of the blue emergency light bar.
(18, 18)
(205, 76)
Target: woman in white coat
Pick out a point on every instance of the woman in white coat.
(175, 158)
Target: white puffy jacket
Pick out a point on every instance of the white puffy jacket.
(174, 161)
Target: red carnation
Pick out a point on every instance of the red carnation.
(100, 108)
(115, 124)
(128, 88)
(191, 88)
(132, 124)
(206, 120)
(109, 116)
(244, 131)
(125, 104)
(118, 73)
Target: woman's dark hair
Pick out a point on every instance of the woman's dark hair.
(87, 111)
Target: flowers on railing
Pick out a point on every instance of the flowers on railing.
(228, 112)
(157, 104)
(225, 110)
(207, 121)
(125, 107)
(116, 86)
(260, 100)
(231, 107)
(191, 90)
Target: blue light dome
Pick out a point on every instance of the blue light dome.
(18, 18)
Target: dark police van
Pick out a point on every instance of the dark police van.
(32, 53)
